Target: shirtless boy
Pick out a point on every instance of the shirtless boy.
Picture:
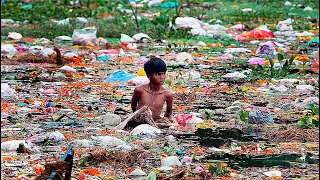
(153, 95)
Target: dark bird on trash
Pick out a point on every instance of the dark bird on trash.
(59, 58)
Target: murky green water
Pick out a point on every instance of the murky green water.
(219, 137)
(237, 161)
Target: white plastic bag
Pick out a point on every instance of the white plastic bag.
(109, 141)
(137, 172)
(110, 119)
(235, 76)
(171, 161)
(85, 37)
(145, 130)
(68, 69)
(139, 80)
(14, 145)
(8, 48)
(7, 93)
(184, 58)
(82, 143)
(47, 51)
(56, 135)
(194, 75)
(305, 87)
(14, 36)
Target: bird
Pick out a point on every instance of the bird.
(59, 59)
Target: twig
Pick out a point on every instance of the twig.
(135, 17)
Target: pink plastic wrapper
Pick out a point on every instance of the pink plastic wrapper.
(182, 119)
(108, 51)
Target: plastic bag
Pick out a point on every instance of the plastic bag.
(313, 43)
(145, 130)
(63, 38)
(109, 141)
(7, 93)
(194, 75)
(137, 172)
(262, 32)
(14, 36)
(255, 61)
(267, 48)
(85, 37)
(56, 135)
(8, 48)
(285, 25)
(184, 58)
(238, 27)
(110, 119)
(169, 4)
(171, 161)
(141, 72)
(258, 116)
(47, 51)
(68, 69)
(305, 87)
(126, 39)
(119, 75)
(36, 50)
(187, 119)
(235, 76)
(141, 37)
(14, 144)
(81, 20)
(136, 81)
(103, 58)
(82, 143)
(7, 21)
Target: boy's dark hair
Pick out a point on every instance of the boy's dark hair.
(155, 65)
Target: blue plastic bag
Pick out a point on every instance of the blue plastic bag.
(169, 5)
(103, 58)
(314, 40)
(119, 75)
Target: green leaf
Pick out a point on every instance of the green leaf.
(133, 138)
(291, 60)
(84, 161)
(152, 176)
(308, 121)
(280, 57)
(309, 106)
(212, 169)
(315, 122)
(175, 45)
(249, 129)
(301, 124)
(259, 67)
(315, 110)
(271, 63)
(244, 115)
(286, 64)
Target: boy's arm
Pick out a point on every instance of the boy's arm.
(135, 99)
(169, 102)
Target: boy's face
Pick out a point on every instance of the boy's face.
(157, 78)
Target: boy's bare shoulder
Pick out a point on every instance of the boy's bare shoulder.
(167, 91)
(140, 88)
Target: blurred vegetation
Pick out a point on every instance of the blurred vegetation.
(36, 16)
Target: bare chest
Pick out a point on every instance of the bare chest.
(152, 100)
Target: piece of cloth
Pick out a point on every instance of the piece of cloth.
(141, 116)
